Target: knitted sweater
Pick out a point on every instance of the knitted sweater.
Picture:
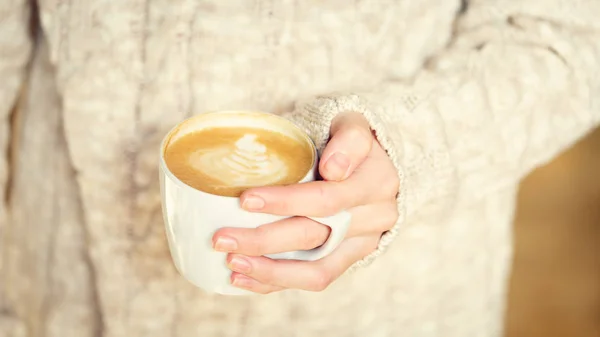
(465, 98)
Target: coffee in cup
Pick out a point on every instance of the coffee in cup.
(226, 160)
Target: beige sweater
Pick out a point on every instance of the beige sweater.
(465, 99)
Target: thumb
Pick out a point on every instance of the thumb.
(350, 144)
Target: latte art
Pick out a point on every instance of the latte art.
(246, 164)
(228, 160)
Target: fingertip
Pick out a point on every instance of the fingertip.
(239, 264)
(240, 280)
(216, 235)
(336, 167)
(224, 243)
(251, 201)
(347, 149)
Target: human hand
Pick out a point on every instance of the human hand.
(359, 178)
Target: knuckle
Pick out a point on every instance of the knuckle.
(391, 187)
(329, 202)
(259, 244)
(395, 185)
(320, 280)
(331, 206)
(371, 246)
(358, 132)
(392, 217)
(281, 205)
(266, 276)
(360, 138)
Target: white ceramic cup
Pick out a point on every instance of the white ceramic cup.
(191, 216)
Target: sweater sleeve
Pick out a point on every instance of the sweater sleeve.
(517, 85)
(15, 47)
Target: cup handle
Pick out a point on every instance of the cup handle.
(338, 223)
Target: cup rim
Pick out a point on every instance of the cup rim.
(165, 169)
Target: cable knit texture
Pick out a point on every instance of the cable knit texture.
(15, 48)
(466, 100)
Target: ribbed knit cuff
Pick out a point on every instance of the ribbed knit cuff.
(315, 118)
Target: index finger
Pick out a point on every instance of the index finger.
(316, 198)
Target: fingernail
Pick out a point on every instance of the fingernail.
(337, 166)
(225, 244)
(241, 281)
(240, 265)
(253, 203)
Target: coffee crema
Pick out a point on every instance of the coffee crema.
(227, 161)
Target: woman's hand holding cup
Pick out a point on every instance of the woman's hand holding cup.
(358, 177)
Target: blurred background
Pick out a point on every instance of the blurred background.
(555, 286)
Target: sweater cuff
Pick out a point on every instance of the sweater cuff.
(315, 116)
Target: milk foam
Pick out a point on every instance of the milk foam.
(247, 163)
